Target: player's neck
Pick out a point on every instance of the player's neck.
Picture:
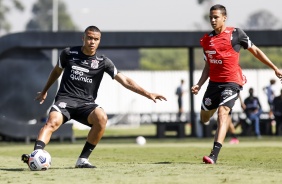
(87, 52)
(220, 30)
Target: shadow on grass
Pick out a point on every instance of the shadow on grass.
(174, 163)
(163, 163)
(26, 169)
(12, 169)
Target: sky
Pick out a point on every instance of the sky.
(149, 15)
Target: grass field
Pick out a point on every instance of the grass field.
(160, 161)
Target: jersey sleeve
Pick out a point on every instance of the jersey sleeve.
(110, 68)
(243, 39)
(62, 59)
(205, 57)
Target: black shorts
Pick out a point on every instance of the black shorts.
(220, 94)
(73, 108)
(179, 101)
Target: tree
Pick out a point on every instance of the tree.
(248, 61)
(262, 19)
(42, 17)
(164, 59)
(202, 1)
(5, 8)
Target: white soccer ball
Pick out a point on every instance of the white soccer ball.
(39, 160)
(140, 140)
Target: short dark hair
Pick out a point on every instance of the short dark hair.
(272, 81)
(219, 7)
(92, 28)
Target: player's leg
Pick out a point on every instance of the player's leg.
(232, 131)
(222, 127)
(205, 116)
(209, 103)
(54, 121)
(227, 97)
(223, 123)
(98, 120)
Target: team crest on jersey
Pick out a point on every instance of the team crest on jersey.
(62, 104)
(208, 101)
(94, 64)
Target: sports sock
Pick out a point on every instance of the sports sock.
(39, 145)
(87, 150)
(216, 149)
(234, 136)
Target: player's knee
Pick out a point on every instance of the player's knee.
(100, 120)
(103, 120)
(205, 121)
(52, 125)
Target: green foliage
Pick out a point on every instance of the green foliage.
(42, 17)
(177, 59)
(248, 61)
(164, 59)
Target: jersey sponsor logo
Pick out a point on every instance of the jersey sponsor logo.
(80, 69)
(215, 61)
(208, 101)
(210, 51)
(94, 64)
(73, 52)
(75, 59)
(84, 62)
(78, 75)
(62, 105)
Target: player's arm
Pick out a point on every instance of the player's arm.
(205, 75)
(262, 57)
(247, 44)
(133, 86)
(54, 75)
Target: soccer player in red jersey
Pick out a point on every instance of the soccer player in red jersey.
(221, 52)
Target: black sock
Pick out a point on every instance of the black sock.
(39, 145)
(216, 149)
(233, 136)
(87, 150)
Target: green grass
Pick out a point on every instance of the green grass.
(170, 160)
(144, 130)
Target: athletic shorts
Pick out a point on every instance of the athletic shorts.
(179, 101)
(74, 108)
(220, 94)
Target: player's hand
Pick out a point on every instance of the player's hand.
(155, 97)
(278, 73)
(41, 97)
(195, 89)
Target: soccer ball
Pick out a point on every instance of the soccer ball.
(39, 160)
(140, 140)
